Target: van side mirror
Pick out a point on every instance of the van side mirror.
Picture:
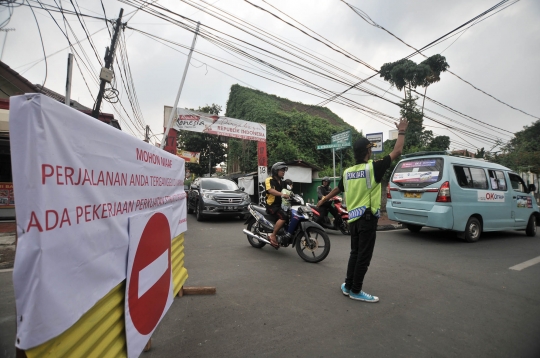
(242, 188)
(532, 188)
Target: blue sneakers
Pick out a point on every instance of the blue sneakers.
(362, 296)
(344, 290)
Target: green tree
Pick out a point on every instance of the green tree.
(436, 64)
(522, 153)
(480, 153)
(406, 75)
(293, 130)
(439, 143)
(210, 146)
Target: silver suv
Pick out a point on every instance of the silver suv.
(216, 196)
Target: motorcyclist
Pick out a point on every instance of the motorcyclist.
(322, 192)
(274, 185)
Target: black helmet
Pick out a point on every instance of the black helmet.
(278, 166)
(325, 179)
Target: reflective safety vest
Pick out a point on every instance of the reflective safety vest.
(361, 190)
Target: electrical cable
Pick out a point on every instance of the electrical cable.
(49, 9)
(9, 5)
(248, 71)
(83, 25)
(476, 136)
(75, 52)
(35, 62)
(356, 85)
(366, 18)
(303, 81)
(42, 46)
(105, 14)
(323, 103)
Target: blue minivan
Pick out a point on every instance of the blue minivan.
(465, 195)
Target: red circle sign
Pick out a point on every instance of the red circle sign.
(147, 307)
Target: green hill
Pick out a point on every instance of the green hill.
(293, 130)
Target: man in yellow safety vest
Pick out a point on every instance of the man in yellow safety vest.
(362, 186)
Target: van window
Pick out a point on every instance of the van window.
(497, 180)
(517, 183)
(468, 177)
(418, 173)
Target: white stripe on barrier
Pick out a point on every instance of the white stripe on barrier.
(149, 275)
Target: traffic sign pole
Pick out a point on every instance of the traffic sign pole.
(339, 141)
(334, 160)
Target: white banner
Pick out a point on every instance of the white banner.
(219, 125)
(247, 184)
(149, 286)
(299, 174)
(77, 181)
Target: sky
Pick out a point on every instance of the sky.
(498, 55)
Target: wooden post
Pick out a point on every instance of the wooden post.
(148, 345)
(196, 291)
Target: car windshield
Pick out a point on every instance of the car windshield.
(218, 184)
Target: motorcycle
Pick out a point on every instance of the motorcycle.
(340, 222)
(309, 238)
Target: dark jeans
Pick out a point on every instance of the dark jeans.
(363, 234)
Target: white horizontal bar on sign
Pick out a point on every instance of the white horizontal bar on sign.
(149, 275)
(526, 264)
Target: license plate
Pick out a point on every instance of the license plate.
(230, 208)
(413, 195)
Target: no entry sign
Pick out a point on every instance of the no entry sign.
(149, 282)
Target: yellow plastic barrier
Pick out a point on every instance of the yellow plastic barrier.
(100, 332)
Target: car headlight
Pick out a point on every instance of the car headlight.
(246, 197)
(208, 196)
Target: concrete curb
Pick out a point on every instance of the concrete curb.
(389, 227)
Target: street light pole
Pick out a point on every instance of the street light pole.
(173, 110)
(210, 164)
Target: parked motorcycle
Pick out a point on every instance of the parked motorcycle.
(339, 223)
(311, 241)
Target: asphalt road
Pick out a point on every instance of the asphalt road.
(439, 297)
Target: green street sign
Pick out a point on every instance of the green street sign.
(333, 145)
(343, 137)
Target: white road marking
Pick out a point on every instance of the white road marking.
(149, 275)
(525, 264)
(6, 270)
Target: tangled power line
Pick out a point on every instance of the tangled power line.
(274, 59)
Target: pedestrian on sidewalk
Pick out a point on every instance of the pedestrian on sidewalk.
(362, 186)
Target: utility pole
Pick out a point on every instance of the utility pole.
(5, 40)
(147, 134)
(106, 73)
(173, 110)
(68, 79)
(210, 164)
(334, 160)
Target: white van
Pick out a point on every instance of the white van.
(466, 195)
